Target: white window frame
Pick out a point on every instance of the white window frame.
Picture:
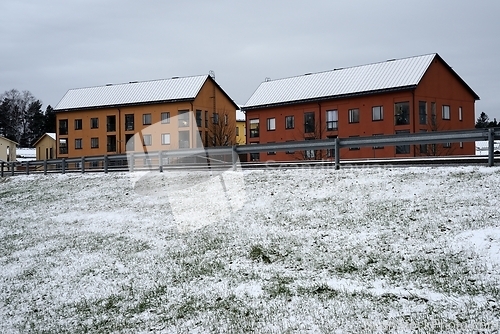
(148, 140)
(377, 113)
(271, 124)
(165, 138)
(446, 112)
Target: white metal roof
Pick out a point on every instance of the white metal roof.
(133, 93)
(391, 74)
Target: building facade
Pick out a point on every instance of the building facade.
(166, 114)
(409, 95)
(7, 149)
(46, 147)
(241, 134)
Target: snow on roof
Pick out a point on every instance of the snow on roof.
(185, 88)
(51, 135)
(388, 75)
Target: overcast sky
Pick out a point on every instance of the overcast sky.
(51, 46)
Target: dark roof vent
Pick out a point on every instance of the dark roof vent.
(133, 82)
(308, 74)
(109, 84)
(391, 59)
(175, 77)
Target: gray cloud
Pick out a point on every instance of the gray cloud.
(51, 46)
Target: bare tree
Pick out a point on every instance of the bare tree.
(313, 129)
(21, 118)
(433, 124)
(222, 130)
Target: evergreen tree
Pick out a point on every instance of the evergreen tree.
(482, 121)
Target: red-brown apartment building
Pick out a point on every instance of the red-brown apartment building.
(415, 94)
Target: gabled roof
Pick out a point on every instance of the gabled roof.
(9, 140)
(391, 75)
(134, 93)
(49, 134)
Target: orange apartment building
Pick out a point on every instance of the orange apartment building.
(168, 114)
(415, 94)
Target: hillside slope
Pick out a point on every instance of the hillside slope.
(274, 251)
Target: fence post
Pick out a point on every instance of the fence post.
(45, 167)
(63, 165)
(106, 161)
(83, 165)
(27, 168)
(337, 154)
(491, 147)
(131, 161)
(1, 168)
(234, 157)
(160, 160)
(12, 169)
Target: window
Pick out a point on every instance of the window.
(183, 139)
(353, 115)
(422, 112)
(94, 142)
(215, 118)
(237, 131)
(206, 119)
(289, 122)
(94, 123)
(165, 138)
(332, 120)
(165, 117)
(461, 144)
(254, 128)
(198, 118)
(146, 119)
(403, 149)
(111, 144)
(63, 145)
(446, 112)
(271, 124)
(183, 118)
(63, 126)
(447, 145)
(225, 119)
(288, 151)
(376, 147)
(330, 153)
(254, 156)
(402, 113)
(198, 139)
(423, 147)
(111, 123)
(353, 148)
(78, 124)
(271, 152)
(129, 122)
(129, 140)
(147, 140)
(78, 143)
(460, 113)
(433, 114)
(377, 113)
(309, 122)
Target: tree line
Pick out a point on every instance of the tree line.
(483, 121)
(22, 119)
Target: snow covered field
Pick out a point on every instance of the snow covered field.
(318, 251)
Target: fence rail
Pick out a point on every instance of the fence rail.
(227, 157)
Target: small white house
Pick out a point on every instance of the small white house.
(7, 149)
